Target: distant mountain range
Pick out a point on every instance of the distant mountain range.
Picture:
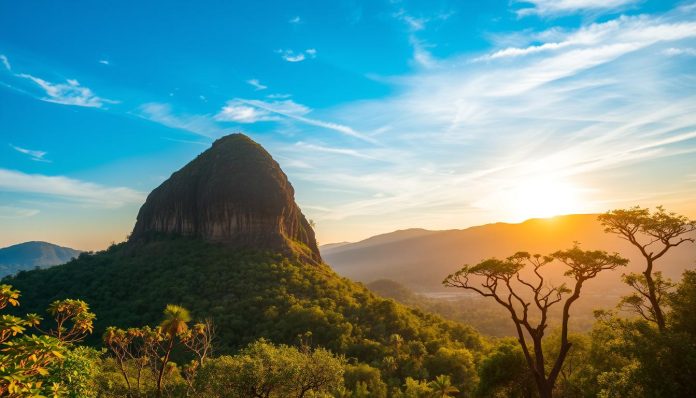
(409, 265)
(29, 255)
(420, 259)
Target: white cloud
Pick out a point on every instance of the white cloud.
(295, 20)
(278, 96)
(306, 147)
(5, 62)
(414, 24)
(256, 84)
(588, 108)
(33, 154)
(292, 56)
(673, 51)
(636, 32)
(68, 188)
(560, 7)
(241, 112)
(197, 124)
(17, 212)
(104, 62)
(421, 56)
(68, 93)
(251, 111)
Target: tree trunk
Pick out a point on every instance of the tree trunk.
(164, 365)
(652, 293)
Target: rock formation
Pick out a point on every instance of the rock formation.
(233, 193)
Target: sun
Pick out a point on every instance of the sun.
(538, 197)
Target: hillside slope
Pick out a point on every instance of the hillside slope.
(29, 255)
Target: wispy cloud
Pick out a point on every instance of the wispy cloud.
(5, 62)
(71, 92)
(563, 7)
(33, 154)
(198, 124)
(278, 96)
(308, 148)
(414, 23)
(293, 56)
(633, 32)
(673, 51)
(251, 111)
(295, 20)
(62, 187)
(256, 84)
(68, 93)
(13, 212)
(421, 55)
(104, 61)
(573, 109)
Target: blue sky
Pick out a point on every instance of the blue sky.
(384, 114)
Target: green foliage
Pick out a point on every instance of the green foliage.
(633, 358)
(365, 381)
(77, 372)
(504, 372)
(32, 365)
(683, 303)
(416, 389)
(457, 363)
(266, 370)
(442, 387)
(249, 295)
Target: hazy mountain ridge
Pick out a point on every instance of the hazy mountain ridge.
(421, 262)
(29, 255)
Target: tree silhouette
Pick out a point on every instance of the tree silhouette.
(502, 280)
(654, 234)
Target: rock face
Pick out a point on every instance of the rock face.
(233, 193)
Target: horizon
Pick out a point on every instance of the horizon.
(384, 115)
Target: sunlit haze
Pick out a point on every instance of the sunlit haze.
(385, 115)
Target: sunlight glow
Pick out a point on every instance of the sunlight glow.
(538, 197)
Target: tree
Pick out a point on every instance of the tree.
(502, 281)
(504, 372)
(683, 301)
(416, 389)
(442, 387)
(73, 319)
(457, 363)
(653, 234)
(365, 380)
(175, 323)
(265, 370)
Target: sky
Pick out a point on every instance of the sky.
(384, 114)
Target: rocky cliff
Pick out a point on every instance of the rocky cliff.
(233, 193)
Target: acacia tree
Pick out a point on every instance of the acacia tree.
(502, 280)
(653, 234)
